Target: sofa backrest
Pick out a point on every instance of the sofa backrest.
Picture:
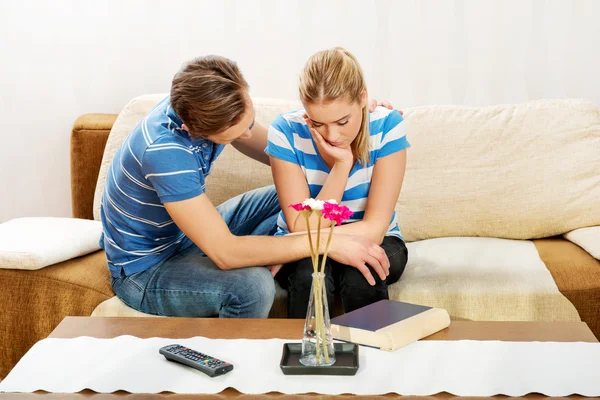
(514, 171)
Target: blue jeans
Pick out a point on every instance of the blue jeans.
(189, 284)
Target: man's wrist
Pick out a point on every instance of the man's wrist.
(324, 239)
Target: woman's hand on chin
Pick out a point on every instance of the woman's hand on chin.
(339, 155)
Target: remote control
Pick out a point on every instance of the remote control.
(209, 365)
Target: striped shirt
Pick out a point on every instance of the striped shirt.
(290, 140)
(158, 162)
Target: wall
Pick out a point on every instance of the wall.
(61, 59)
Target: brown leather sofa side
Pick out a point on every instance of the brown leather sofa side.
(88, 139)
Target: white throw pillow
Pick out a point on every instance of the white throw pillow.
(586, 238)
(36, 242)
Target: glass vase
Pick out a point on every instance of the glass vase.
(317, 343)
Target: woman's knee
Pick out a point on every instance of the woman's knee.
(354, 279)
(398, 256)
(357, 292)
(298, 274)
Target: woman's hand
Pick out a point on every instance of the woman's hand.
(274, 269)
(337, 154)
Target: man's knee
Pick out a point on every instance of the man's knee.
(266, 197)
(269, 197)
(259, 284)
(253, 292)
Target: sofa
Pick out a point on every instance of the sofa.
(499, 209)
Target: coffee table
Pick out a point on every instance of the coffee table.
(285, 329)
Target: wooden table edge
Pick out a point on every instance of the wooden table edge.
(292, 329)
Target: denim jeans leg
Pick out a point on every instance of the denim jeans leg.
(191, 285)
(132, 289)
(252, 213)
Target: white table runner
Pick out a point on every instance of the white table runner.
(466, 368)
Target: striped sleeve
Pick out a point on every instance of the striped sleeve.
(280, 141)
(393, 137)
(173, 170)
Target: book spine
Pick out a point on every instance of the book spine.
(359, 336)
(415, 328)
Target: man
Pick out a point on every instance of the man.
(169, 250)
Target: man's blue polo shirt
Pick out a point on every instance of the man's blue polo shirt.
(158, 162)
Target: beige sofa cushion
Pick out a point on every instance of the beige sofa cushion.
(516, 171)
(587, 238)
(114, 307)
(233, 174)
(482, 279)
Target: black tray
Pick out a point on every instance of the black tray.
(346, 360)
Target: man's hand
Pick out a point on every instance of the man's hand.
(358, 251)
(374, 103)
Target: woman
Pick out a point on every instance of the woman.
(335, 149)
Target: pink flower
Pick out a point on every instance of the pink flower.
(299, 207)
(335, 212)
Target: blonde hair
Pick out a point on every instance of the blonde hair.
(332, 74)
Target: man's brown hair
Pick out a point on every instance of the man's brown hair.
(209, 94)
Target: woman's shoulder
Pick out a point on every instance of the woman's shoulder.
(296, 116)
(290, 121)
(383, 120)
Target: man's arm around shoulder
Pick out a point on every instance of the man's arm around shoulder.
(254, 147)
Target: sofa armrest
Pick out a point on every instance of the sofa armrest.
(88, 139)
